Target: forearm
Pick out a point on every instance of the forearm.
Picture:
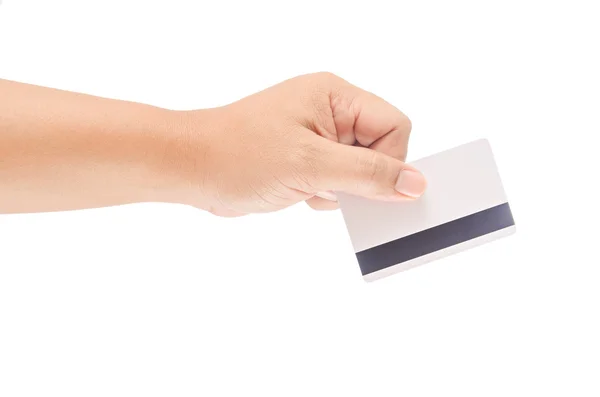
(61, 150)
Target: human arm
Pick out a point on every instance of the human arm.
(315, 133)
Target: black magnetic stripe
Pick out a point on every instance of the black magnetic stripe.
(434, 239)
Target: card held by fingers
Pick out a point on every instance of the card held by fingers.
(464, 206)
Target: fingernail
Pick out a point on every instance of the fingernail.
(327, 196)
(411, 183)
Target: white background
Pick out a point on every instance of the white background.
(163, 300)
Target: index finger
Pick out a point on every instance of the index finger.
(363, 118)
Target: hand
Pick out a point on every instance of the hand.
(303, 138)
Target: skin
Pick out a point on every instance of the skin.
(300, 140)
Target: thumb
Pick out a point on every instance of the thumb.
(365, 172)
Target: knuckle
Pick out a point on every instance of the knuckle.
(327, 82)
(327, 76)
(372, 166)
(405, 124)
(320, 105)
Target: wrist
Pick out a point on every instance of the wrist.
(180, 149)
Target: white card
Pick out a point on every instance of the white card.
(464, 206)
